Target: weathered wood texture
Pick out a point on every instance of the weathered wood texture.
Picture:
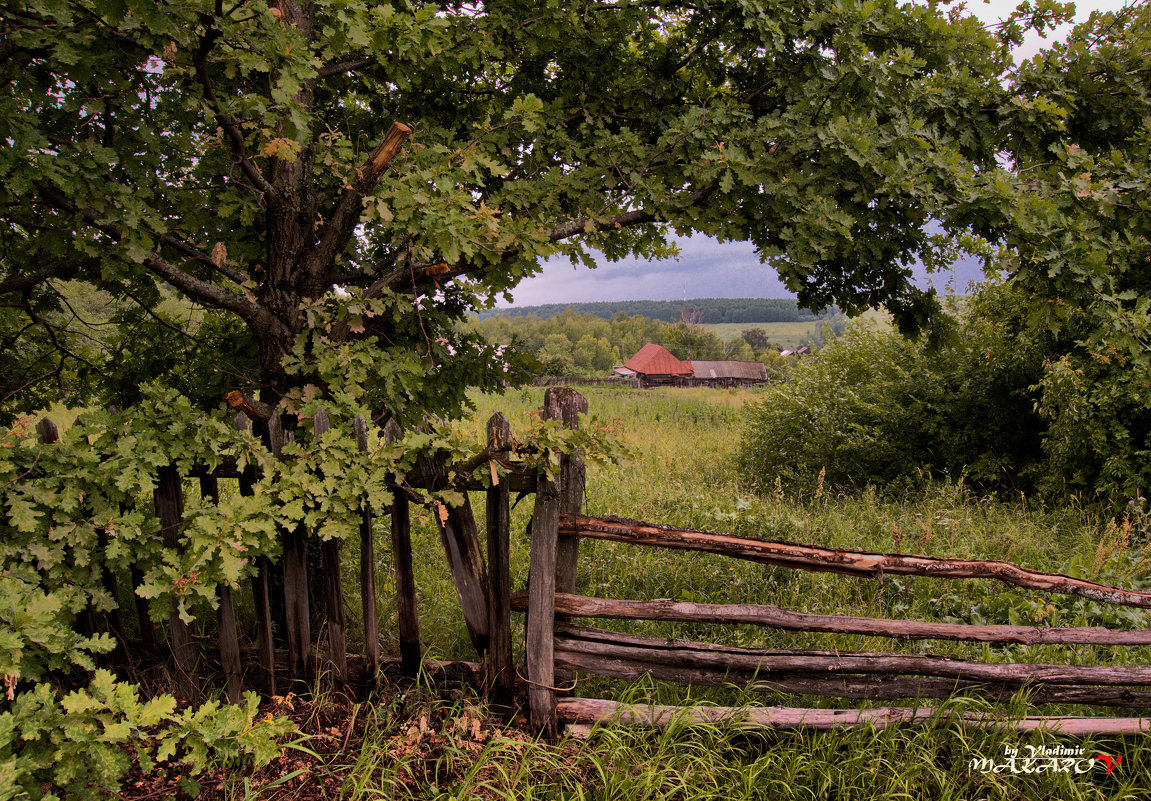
(333, 585)
(367, 565)
(261, 585)
(839, 560)
(875, 687)
(460, 538)
(500, 669)
(541, 608)
(591, 710)
(575, 640)
(227, 639)
(294, 565)
(406, 608)
(775, 617)
(565, 404)
(169, 501)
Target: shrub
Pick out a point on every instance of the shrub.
(874, 407)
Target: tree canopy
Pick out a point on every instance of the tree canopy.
(249, 157)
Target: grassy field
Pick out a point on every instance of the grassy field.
(786, 335)
(681, 473)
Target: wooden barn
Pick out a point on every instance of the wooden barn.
(655, 366)
(727, 374)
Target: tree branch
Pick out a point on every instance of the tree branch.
(226, 123)
(344, 66)
(59, 269)
(339, 227)
(210, 294)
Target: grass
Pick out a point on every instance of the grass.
(681, 473)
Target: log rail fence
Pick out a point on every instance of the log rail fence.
(556, 647)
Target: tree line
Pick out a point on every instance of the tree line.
(701, 310)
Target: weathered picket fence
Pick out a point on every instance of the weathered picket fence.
(484, 592)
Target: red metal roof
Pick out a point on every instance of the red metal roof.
(654, 359)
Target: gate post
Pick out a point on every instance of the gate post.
(542, 607)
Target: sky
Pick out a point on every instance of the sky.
(707, 268)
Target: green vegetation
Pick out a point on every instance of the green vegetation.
(586, 346)
(682, 471)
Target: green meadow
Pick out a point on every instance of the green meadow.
(680, 471)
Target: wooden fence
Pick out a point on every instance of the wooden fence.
(483, 584)
(556, 646)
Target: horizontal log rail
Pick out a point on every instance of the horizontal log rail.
(841, 560)
(594, 710)
(571, 642)
(775, 617)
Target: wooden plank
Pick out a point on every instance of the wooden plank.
(261, 586)
(227, 639)
(866, 687)
(766, 662)
(592, 710)
(840, 560)
(460, 538)
(169, 501)
(294, 566)
(565, 404)
(541, 609)
(368, 566)
(406, 607)
(500, 668)
(775, 617)
(333, 587)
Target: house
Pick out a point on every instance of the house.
(654, 366)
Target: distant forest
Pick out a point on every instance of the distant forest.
(701, 310)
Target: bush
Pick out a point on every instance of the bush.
(875, 408)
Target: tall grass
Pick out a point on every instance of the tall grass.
(681, 473)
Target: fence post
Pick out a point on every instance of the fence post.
(333, 590)
(261, 595)
(294, 564)
(564, 403)
(169, 502)
(542, 605)
(227, 639)
(461, 541)
(499, 661)
(368, 567)
(406, 611)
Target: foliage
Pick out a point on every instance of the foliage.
(875, 407)
(80, 746)
(1079, 233)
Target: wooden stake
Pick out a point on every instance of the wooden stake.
(226, 637)
(500, 671)
(260, 587)
(169, 501)
(368, 568)
(541, 609)
(333, 587)
(407, 611)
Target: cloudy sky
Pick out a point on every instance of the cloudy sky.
(706, 268)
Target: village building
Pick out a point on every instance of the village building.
(655, 366)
